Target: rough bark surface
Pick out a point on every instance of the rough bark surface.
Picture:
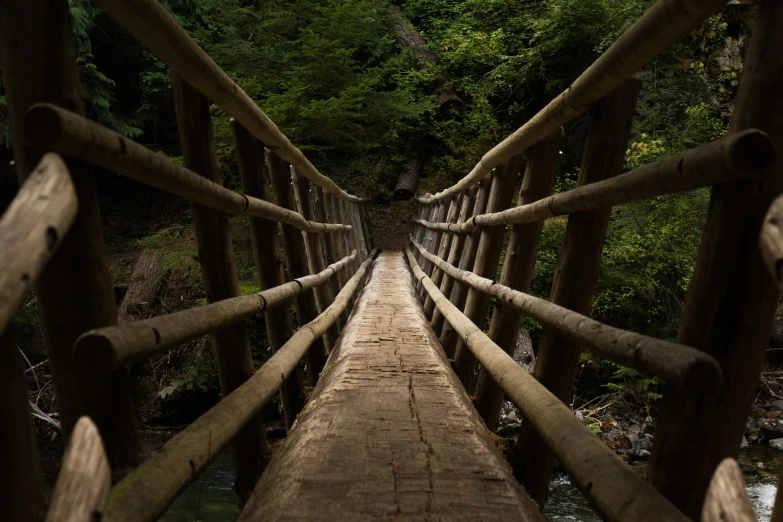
(144, 284)
(390, 433)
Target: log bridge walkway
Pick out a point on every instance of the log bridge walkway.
(407, 381)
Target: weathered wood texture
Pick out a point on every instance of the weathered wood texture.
(75, 292)
(430, 238)
(139, 340)
(313, 251)
(72, 135)
(146, 492)
(442, 250)
(327, 244)
(149, 22)
(21, 487)
(518, 266)
(459, 291)
(84, 482)
(687, 367)
(251, 163)
(727, 500)
(617, 492)
(732, 297)
(294, 251)
(31, 229)
(577, 274)
(455, 254)
(486, 265)
(143, 286)
(662, 25)
(219, 272)
(389, 432)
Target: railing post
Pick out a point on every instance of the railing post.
(218, 269)
(431, 240)
(328, 245)
(732, 298)
(313, 251)
(455, 254)
(486, 265)
(340, 241)
(577, 274)
(356, 221)
(364, 214)
(443, 246)
(269, 267)
(75, 290)
(459, 291)
(518, 268)
(353, 237)
(294, 250)
(20, 472)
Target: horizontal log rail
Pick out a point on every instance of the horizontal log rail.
(771, 240)
(116, 346)
(146, 492)
(731, 158)
(54, 128)
(31, 228)
(153, 26)
(674, 363)
(616, 491)
(661, 26)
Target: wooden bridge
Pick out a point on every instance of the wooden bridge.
(407, 384)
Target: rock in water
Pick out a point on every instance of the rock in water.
(776, 443)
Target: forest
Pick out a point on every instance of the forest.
(347, 83)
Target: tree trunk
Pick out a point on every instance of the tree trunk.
(406, 184)
(144, 285)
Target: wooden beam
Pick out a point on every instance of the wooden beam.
(520, 261)
(727, 500)
(269, 267)
(294, 251)
(21, 486)
(84, 482)
(488, 252)
(661, 26)
(577, 276)
(75, 290)
(732, 297)
(313, 252)
(455, 254)
(615, 491)
(442, 251)
(146, 492)
(327, 244)
(218, 269)
(459, 292)
(72, 135)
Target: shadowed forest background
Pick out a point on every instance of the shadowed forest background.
(342, 79)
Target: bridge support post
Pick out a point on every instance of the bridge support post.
(269, 267)
(319, 211)
(455, 254)
(313, 250)
(340, 242)
(486, 265)
(426, 213)
(218, 268)
(732, 299)
(537, 183)
(294, 250)
(75, 289)
(577, 274)
(430, 238)
(442, 251)
(353, 237)
(364, 214)
(459, 291)
(20, 472)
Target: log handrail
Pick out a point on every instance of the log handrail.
(728, 159)
(658, 28)
(672, 362)
(54, 128)
(116, 346)
(617, 492)
(146, 492)
(152, 25)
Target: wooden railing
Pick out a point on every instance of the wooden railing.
(88, 356)
(712, 369)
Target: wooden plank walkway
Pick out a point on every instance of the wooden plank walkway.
(390, 432)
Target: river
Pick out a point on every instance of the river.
(211, 499)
